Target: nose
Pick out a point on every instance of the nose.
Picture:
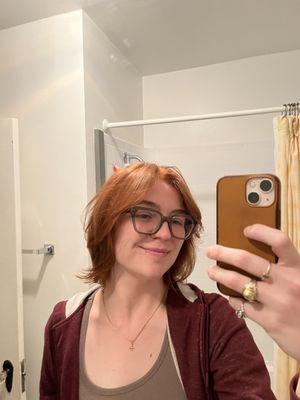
(163, 232)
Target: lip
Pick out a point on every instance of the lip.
(155, 251)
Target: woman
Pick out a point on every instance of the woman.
(277, 306)
(143, 333)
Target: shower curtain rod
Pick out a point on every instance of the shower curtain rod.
(109, 125)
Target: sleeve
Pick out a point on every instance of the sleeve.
(49, 385)
(237, 367)
(293, 387)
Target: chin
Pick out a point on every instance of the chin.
(152, 274)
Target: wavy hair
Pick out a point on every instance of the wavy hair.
(125, 188)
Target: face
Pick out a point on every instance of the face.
(149, 256)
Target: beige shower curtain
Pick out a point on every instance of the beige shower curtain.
(287, 161)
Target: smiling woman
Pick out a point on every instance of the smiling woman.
(142, 332)
(119, 198)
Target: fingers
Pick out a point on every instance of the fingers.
(242, 259)
(279, 241)
(252, 310)
(257, 312)
(279, 323)
(234, 280)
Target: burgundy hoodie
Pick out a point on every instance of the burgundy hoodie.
(215, 352)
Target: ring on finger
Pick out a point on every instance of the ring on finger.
(240, 312)
(266, 275)
(250, 291)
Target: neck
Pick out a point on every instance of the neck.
(127, 298)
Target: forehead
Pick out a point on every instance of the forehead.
(165, 197)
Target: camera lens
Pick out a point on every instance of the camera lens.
(253, 198)
(266, 185)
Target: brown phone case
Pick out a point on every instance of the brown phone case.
(234, 214)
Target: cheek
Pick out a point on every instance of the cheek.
(180, 247)
(121, 248)
(122, 235)
(124, 244)
(176, 251)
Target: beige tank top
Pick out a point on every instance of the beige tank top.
(161, 382)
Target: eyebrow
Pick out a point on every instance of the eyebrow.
(152, 204)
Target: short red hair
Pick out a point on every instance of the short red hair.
(125, 188)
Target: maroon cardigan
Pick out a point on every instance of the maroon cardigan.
(216, 354)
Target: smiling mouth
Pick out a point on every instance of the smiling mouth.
(159, 252)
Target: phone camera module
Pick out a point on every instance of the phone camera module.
(266, 185)
(253, 198)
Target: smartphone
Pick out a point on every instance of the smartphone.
(244, 200)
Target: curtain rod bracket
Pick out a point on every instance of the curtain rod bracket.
(105, 125)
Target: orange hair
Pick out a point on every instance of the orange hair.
(125, 188)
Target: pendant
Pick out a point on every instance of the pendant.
(132, 346)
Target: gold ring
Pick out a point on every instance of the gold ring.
(266, 275)
(250, 291)
(240, 312)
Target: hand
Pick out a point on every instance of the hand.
(277, 308)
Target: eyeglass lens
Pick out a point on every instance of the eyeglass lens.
(149, 221)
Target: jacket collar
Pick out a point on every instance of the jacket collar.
(187, 293)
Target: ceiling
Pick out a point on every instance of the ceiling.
(159, 36)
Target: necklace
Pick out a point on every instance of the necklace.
(132, 341)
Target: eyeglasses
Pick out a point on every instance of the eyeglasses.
(148, 221)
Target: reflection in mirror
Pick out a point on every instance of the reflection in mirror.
(65, 68)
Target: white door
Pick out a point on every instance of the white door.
(11, 304)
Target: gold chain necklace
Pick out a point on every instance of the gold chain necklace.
(132, 341)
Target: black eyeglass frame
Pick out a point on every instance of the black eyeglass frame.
(163, 218)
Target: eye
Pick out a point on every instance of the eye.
(144, 215)
(178, 221)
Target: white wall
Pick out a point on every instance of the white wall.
(207, 150)
(115, 149)
(60, 77)
(41, 81)
(42, 85)
(113, 91)
(255, 82)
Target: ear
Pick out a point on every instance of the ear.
(116, 168)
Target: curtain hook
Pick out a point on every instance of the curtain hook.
(289, 109)
(298, 109)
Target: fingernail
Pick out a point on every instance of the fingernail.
(247, 230)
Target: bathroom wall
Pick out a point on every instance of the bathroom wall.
(113, 91)
(207, 150)
(41, 82)
(115, 149)
(59, 78)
